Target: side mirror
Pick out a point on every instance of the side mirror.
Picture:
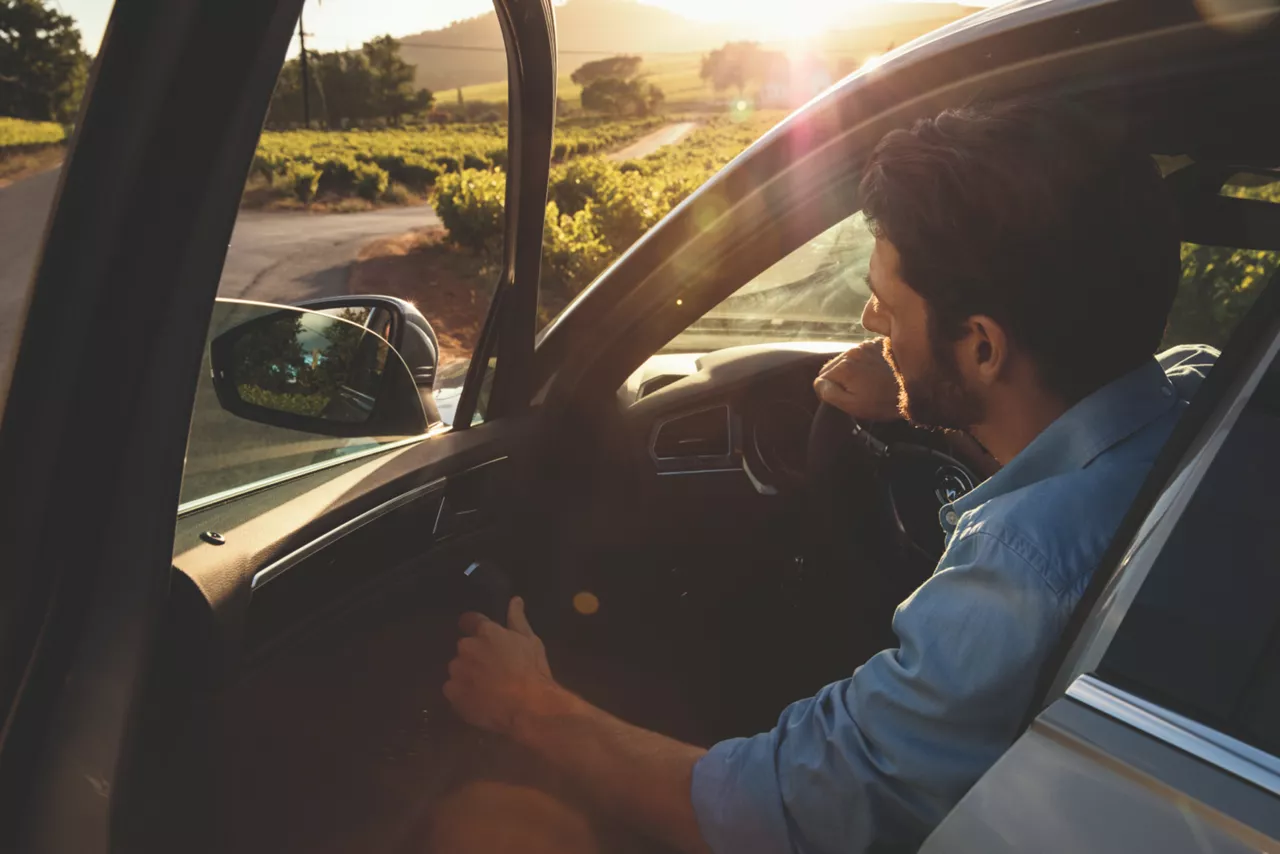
(316, 372)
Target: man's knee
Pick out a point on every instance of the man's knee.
(489, 817)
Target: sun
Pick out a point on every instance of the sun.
(789, 21)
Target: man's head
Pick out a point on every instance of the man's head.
(1021, 249)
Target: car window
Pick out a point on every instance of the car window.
(46, 50)
(374, 176)
(1221, 283)
(817, 292)
(1202, 638)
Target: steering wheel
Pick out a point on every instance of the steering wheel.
(875, 497)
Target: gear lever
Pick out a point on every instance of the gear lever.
(489, 590)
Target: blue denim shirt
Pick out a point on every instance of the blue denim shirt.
(875, 761)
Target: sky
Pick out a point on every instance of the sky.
(339, 24)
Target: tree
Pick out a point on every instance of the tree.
(391, 81)
(43, 68)
(352, 87)
(736, 65)
(621, 97)
(619, 67)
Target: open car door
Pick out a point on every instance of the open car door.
(154, 701)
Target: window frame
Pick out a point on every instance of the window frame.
(513, 307)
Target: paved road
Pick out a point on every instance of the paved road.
(23, 207)
(286, 257)
(274, 257)
(647, 145)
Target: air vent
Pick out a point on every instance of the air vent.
(700, 434)
(657, 383)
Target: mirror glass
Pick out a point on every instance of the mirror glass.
(227, 452)
(314, 365)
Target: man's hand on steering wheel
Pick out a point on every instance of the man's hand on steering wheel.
(861, 383)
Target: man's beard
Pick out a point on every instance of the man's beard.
(937, 397)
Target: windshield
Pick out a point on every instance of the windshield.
(656, 97)
(814, 294)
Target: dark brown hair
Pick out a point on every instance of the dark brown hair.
(1040, 217)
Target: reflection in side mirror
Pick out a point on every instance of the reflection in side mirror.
(316, 373)
(401, 324)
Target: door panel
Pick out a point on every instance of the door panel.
(324, 725)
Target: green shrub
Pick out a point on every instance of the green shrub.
(449, 163)
(397, 194)
(560, 152)
(371, 181)
(573, 253)
(582, 180)
(475, 161)
(304, 180)
(470, 205)
(20, 134)
(338, 175)
(498, 157)
(298, 404)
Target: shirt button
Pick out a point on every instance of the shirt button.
(951, 517)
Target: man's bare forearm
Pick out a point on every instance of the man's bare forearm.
(641, 777)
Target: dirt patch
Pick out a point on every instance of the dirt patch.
(450, 286)
(15, 167)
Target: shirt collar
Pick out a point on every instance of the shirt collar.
(1100, 421)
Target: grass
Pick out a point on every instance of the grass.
(23, 164)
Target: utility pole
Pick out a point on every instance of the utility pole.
(306, 80)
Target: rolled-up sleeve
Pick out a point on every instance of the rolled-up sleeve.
(877, 760)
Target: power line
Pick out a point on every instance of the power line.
(503, 50)
(565, 52)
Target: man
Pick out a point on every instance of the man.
(1024, 267)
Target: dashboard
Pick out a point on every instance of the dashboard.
(745, 409)
(752, 409)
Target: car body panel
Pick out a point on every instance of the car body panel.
(1080, 780)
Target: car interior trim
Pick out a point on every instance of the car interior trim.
(284, 477)
(759, 485)
(672, 419)
(1203, 742)
(681, 472)
(293, 558)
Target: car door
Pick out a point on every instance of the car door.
(113, 662)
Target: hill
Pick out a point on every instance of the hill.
(471, 52)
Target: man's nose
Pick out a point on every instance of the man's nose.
(873, 318)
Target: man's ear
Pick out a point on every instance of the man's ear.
(983, 353)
